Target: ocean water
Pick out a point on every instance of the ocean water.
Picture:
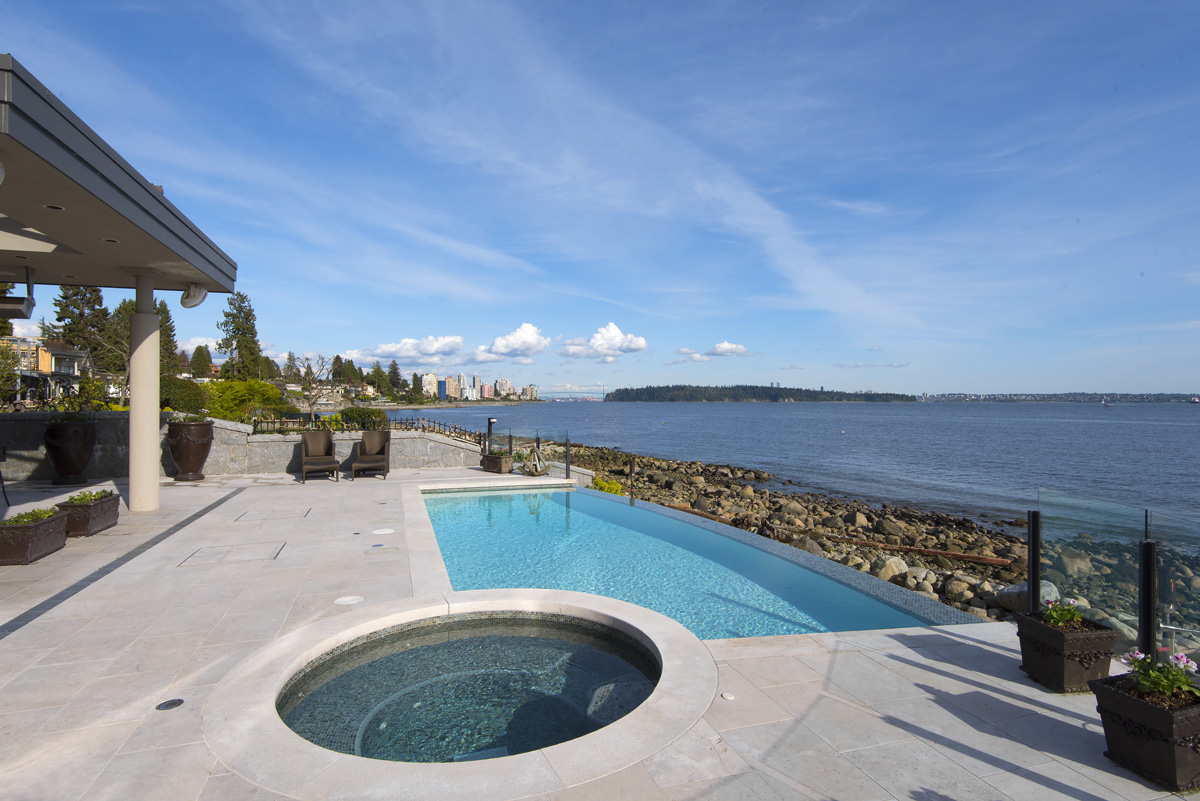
(963, 458)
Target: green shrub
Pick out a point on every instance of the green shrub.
(181, 395)
(365, 418)
(242, 400)
(89, 497)
(32, 516)
(607, 486)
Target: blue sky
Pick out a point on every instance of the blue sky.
(897, 196)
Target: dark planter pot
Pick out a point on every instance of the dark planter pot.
(496, 464)
(1064, 661)
(70, 446)
(29, 542)
(1160, 744)
(86, 519)
(190, 444)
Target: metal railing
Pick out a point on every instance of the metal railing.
(294, 425)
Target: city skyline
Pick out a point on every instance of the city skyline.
(911, 197)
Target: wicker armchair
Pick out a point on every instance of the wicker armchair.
(316, 454)
(372, 452)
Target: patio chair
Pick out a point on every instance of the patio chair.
(316, 454)
(372, 452)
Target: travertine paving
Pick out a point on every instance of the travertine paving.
(166, 604)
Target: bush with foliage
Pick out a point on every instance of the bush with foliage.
(365, 418)
(181, 395)
(32, 516)
(90, 497)
(613, 487)
(242, 400)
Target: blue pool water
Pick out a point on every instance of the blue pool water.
(715, 586)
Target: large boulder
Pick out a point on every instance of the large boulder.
(886, 567)
(1015, 598)
(700, 504)
(854, 519)
(833, 521)
(886, 525)
(1074, 563)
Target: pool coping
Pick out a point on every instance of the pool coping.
(243, 729)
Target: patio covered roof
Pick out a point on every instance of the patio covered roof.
(77, 213)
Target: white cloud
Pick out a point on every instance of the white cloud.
(874, 347)
(606, 344)
(727, 349)
(481, 355)
(858, 206)
(688, 355)
(431, 351)
(26, 328)
(195, 342)
(525, 341)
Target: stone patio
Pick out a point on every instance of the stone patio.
(167, 603)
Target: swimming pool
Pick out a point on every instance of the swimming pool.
(716, 586)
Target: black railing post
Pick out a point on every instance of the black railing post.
(1148, 599)
(510, 447)
(1033, 559)
(568, 436)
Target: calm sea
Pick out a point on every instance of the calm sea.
(962, 458)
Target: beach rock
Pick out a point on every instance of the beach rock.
(700, 504)
(746, 492)
(793, 508)
(855, 519)
(887, 567)
(833, 521)
(810, 545)
(1015, 598)
(887, 526)
(696, 481)
(1074, 564)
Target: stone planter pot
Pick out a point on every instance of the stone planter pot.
(496, 464)
(29, 542)
(86, 519)
(69, 446)
(1160, 744)
(189, 444)
(1064, 661)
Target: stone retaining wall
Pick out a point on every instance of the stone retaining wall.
(235, 449)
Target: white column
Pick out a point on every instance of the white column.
(145, 450)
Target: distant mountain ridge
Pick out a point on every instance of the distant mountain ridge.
(746, 392)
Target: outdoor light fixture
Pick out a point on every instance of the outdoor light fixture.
(193, 296)
(18, 308)
(1, 172)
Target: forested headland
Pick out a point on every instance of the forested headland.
(745, 392)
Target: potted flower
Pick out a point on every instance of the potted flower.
(496, 461)
(70, 438)
(1063, 650)
(91, 512)
(1151, 719)
(189, 438)
(28, 536)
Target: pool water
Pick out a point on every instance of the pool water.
(466, 687)
(714, 585)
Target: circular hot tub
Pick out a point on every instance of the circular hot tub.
(585, 679)
(469, 686)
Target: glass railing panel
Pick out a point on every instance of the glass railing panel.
(1090, 553)
(1178, 583)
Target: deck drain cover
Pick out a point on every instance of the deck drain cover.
(384, 531)
(349, 600)
(174, 702)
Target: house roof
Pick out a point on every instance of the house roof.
(78, 213)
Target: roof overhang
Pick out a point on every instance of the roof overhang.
(77, 213)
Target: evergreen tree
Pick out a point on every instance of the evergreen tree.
(379, 379)
(201, 362)
(350, 373)
(268, 370)
(169, 361)
(183, 361)
(416, 384)
(291, 369)
(335, 370)
(81, 319)
(393, 375)
(240, 339)
(6, 326)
